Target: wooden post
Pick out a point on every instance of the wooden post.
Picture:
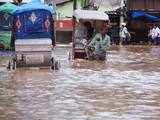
(74, 24)
(74, 4)
(121, 19)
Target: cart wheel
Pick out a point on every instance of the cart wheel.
(9, 65)
(70, 57)
(55, 64)
(12, 64)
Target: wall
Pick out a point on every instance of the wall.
(66, 10)
(63, 36)
(144, 4)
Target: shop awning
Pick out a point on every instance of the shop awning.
(140, 15)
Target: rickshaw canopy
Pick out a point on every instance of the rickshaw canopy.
(35, 5)
(5, 23)
(7, 8)
(90, 15)
(33, 20)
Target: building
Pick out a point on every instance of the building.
(146, 5)
(63, 23)
(139, 25)
(112, 8)
(64, 7)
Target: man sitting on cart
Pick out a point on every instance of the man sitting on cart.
(98, 46)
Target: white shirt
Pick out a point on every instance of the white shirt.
(123, 32)
(154, 33)
(157, 31)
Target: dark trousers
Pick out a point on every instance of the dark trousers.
(95, 55)
(100, 55)
(156, 41)
(125, 41)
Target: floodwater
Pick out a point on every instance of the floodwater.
(125, 87)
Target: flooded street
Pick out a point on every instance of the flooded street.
(124, 87)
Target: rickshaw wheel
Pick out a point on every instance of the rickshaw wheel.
(70, 56)
(12, 64)
(55, 64)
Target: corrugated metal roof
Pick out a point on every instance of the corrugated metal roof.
(57, 1)
(108, 5)
(60, 1)
(90, 15)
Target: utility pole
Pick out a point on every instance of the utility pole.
(74, 4)
(121, 17)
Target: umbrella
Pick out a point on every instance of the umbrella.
(7, 8)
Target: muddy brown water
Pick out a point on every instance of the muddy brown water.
(124, 87)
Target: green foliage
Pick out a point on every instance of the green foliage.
(84, 3)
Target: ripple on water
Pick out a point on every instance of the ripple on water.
(125, 87)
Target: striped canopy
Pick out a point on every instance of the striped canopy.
(7, 8)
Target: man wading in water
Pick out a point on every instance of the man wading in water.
(98, 46)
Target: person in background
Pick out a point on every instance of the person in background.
(124, 34)
(157, 30)
(98, 46)
(114, 33)
(81, 31)
(90, 30)
(154, 34)
(150, 34)
(80, 35)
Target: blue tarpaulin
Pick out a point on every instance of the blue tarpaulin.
(144, 15)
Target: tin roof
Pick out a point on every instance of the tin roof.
(57, 1)
(60, 1)
(90, 15)
(107, 5)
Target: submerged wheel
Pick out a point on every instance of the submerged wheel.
(70, 56)
(12, 64)
(55, 64)
(14, 60)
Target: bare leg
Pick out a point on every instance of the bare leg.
(89, 53)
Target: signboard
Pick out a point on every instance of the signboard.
(64, 25)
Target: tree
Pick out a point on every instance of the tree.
(84, 3)
(74, 4)
(88, 4)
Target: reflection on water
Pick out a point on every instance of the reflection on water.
(124, 87)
